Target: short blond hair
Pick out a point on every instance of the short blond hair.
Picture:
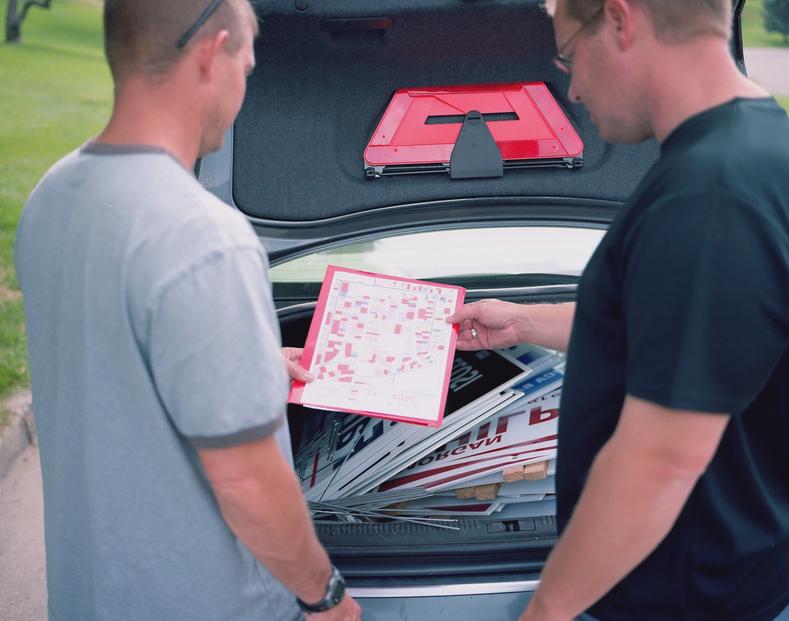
(141, 36)
(673, 20)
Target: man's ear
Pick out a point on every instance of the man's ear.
(208, 49)
(620, 17)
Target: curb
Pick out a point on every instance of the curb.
(20, 432)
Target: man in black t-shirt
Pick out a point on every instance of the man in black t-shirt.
(673, 474)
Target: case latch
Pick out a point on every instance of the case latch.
(475, 155)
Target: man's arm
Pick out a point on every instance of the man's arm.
(492, 324)
(261, 500)
(637, 486)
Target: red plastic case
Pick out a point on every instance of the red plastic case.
(420, 127)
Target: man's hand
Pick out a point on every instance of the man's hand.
(292, 357)
(488, 324)
(346, 610)
(534, 612)
(493, 324)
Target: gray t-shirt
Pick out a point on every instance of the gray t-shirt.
(151, 332)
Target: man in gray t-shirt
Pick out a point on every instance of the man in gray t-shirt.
(158, 383)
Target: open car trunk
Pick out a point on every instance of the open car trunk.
(294, 165)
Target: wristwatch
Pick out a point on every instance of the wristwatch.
(335, 590)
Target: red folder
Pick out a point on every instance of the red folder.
(353, 327)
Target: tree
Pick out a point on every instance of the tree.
(14, 18)
(776, 17)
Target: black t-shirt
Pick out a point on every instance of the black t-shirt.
(685, 303)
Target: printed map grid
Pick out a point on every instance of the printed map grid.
(342, 286)
(360, 354)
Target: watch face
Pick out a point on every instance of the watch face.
(335, 590)
(336, 587)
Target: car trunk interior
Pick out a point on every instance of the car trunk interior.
(484, 547)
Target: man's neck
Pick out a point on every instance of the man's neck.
(154, 116)
(692, 78)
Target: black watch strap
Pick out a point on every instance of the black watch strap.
(335, 590)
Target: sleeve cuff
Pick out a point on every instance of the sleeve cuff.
(683, 401)
(239, 437)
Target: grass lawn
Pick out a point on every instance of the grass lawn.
(56, 92)
(753, 33)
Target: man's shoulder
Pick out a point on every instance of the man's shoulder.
(184, 226)
(59, 173)
(733, 160)
(45, 195)
(740, 148)
(209, 224)
(173, 207)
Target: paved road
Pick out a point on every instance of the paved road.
(769, 66)
(23, 594)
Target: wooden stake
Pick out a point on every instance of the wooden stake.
(535, 472)
(464, 493)
(487, 492)
(513, 474)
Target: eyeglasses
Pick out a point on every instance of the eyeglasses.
(565, 63)
(209, 11)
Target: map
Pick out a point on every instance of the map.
(380, 345)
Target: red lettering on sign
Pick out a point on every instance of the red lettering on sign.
(538, 415)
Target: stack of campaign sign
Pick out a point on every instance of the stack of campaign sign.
(500, 420)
